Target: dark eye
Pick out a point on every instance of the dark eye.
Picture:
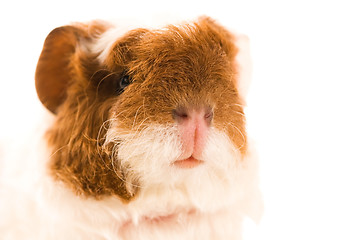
(124, 81)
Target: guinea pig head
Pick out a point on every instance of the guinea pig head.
(141, 109)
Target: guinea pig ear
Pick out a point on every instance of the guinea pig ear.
(54, 70)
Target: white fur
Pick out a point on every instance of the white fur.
(104, 44)
(148, 157)
(208, 202)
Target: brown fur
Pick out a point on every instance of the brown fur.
(189, 65)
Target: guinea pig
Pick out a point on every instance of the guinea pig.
(147, 138)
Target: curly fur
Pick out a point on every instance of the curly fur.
(109, 172)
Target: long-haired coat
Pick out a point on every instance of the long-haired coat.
(146, 137)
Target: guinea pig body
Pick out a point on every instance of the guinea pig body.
(147, 138)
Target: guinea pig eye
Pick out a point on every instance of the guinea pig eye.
(124, 81)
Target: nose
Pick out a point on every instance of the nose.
(193, 125)
(182, 115)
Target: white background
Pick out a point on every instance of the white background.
(303, 106)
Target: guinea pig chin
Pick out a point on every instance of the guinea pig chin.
(148, 156)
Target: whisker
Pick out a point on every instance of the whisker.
(136, 114)
(243, 137)
(103, 147)
(113, 157)
(58, 150)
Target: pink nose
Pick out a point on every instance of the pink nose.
(193, 125)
